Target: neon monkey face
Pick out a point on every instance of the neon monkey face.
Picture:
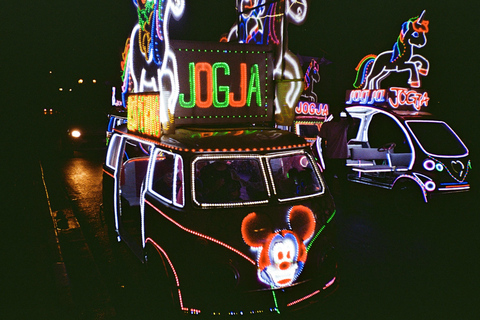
(283, 266)
(281, 254)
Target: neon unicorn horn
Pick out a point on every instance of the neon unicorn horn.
(419, 20)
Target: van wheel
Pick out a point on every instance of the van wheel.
(408, 198)
(159, 284)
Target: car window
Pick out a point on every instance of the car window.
(436, 137)
(163, 175)
(112, 154)
(294, 176)
(229, 181)
(383, 129)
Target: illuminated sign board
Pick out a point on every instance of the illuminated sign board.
(143, 113)
(306, 108)
(395, 97)
(223, 83)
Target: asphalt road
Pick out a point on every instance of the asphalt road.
(58, 261)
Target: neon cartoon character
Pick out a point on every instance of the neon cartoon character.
(263, 22)
(281, 254)
(373, 69)
(151, 64)
(312, 75)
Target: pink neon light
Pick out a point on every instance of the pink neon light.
(180, 298)
(330, 283)
(202, 235)
(312, 294)
(303, 299)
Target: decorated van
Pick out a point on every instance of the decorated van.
(230, 215)
(396, 143)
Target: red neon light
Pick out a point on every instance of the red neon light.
(408, 97)
(201, 235)
(177, 281)
(207, 68)
(243, 88)
(108, 173)
(303, 299)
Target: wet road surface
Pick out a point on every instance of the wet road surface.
(59, 262)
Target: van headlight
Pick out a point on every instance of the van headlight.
(75, 133)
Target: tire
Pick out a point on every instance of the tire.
(408, 198)
(160, 285)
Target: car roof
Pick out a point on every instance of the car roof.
(248, 139)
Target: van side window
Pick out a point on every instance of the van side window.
(179, 198)
(383, 129)
(163, 175)
(112, 154)
(133, 171)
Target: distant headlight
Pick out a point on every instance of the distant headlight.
(75, 133)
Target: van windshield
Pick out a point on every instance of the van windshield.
(294, 176)
(229, 181)
(437, 138)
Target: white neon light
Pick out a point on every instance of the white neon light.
(168, 75)
(402, 58)
(260, 17)
(226, 157)
(429, 165)
(430, 185)
(315, 168)
(432, 154)
(367, 113)
(117, 163)
(145, 75)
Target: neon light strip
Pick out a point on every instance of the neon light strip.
(327, 285)
(177, 280)
(202, 235)
(362, 110)
(275, 301)
(315, 168)
(436, 155)
(448, 171)
(304, 298)
(321, 229)
(417, 180)
(461, 187)
(301, 145)
(108, 173)
(454, 184)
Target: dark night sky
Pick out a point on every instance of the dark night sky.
(85, 39)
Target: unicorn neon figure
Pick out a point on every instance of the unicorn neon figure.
(373, 69)
(312, 75)
(263, 22)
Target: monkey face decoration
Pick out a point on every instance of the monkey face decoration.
(281, 254)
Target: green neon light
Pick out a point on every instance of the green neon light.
(275, 300)
(193, 96)
(217, 88)
(254, 85)
(320, 231)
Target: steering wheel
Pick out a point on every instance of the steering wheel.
(387, 147)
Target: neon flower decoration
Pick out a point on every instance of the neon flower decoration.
(281, 254)
(373, 69)
(312, 75)
(263, 22)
